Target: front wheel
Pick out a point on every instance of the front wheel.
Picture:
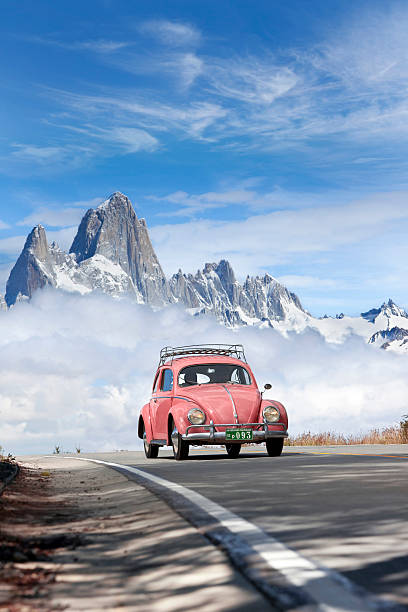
(151, 450)
(233, 450)
(274, 447)
(180, 446)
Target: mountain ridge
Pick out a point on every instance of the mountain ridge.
(112, 252)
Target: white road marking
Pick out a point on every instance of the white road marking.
(330, 590)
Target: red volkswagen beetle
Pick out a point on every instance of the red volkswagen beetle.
(207, 394)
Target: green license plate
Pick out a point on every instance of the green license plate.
(238, 434)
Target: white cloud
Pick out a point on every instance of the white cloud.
(172, 33)
(370, 50)
(195, 204)
(62, 237)
(39, 159)
(54, 217)
(251, 80)
(12, 245)
(133, 139)
(279, 237)
(99, 45)
(189, 67)
(5, 269)
(130, 108)
(346, 91)
(83, 379)
(297, 281)
(37, 153)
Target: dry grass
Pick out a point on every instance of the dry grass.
(397, 434)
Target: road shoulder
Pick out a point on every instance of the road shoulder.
(124, 548)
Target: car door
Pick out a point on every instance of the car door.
(164, 397)
(154, 405)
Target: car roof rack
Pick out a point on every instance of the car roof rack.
(227, 350)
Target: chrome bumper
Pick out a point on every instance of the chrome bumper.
(212, 436)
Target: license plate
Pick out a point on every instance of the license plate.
(238, 434)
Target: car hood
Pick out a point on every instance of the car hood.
(218, 401)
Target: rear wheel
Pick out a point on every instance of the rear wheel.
(151, 450)
(274, 446)
(180, 446)
(233, 450)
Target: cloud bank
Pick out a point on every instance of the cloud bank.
(75, 370)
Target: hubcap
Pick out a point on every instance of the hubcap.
(145, 441)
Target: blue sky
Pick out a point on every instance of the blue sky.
(271, 134)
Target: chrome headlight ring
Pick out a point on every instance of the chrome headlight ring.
(271, 414)
(196, 416)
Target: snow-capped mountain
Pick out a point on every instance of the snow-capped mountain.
(113, 231)
(41, 265)
(386, 327)
(215, 290)
(112, 253)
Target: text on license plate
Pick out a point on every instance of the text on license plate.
(238, 434)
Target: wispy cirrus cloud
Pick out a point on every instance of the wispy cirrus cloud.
(171, 33)
(34, 158)
(131, 139)
(251, 80)
(99, 45)
(347, 92)
(39, 154)
(192, 205)
(192, 119)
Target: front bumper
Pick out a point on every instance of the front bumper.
(212, 436)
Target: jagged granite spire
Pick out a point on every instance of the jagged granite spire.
(112, 253)
(114, 231)
(31, 270)
(215, 290)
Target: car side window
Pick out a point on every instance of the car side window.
(156, 381)
(167, 381)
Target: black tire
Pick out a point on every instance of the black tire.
(233, 450)
(151, 450)
(274, 447)
(180, 446)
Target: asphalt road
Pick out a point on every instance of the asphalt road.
(343, 507)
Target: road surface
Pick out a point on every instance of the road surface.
(344, 508)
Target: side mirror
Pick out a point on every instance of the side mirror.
(267, 386)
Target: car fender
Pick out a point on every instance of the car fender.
(279, 406)
(178, 413)
(146, 418)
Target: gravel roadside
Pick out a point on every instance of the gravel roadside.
(82, 537)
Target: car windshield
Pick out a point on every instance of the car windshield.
(213, 373)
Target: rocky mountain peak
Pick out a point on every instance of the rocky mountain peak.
(387, 309)
(114, 231)
(32, 269)
(36, 243)
(116, 201)
(112, 252)
(391, 309)
(209, 268)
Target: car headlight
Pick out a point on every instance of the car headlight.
(196, 416)
(271, 414)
